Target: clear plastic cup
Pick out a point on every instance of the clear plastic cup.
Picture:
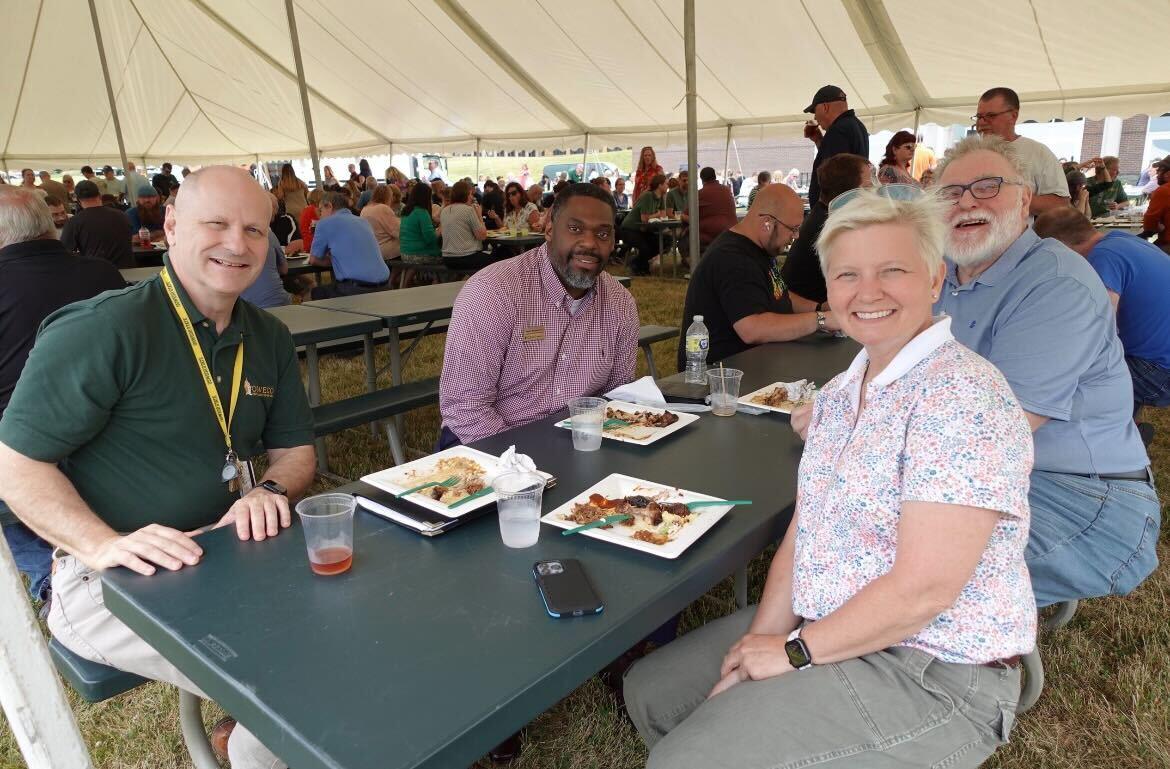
(587, 414)
(724, 390)
(328, 523)
(518, 499)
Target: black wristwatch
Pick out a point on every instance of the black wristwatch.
(797, 651)
(273, 486)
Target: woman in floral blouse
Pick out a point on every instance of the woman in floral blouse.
(898, 604)
(647, 169)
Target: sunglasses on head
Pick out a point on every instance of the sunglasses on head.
(891, 191)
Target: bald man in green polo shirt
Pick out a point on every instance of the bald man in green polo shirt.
(133, 422)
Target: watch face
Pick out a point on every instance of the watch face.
(798, 655)
(275, 488)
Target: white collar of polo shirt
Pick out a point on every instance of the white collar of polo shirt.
(915, 351)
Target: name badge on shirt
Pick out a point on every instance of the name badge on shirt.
(532, 334)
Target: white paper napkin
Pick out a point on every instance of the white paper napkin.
(641, 391)
(512, 462)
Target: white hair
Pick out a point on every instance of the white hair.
(982, 143)
(923, 214)
(23, 216)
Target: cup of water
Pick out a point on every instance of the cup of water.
(518, 498)
(586, 415)
(724, 390)
(327, 520)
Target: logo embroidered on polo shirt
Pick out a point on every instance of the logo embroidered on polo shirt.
(257, 391)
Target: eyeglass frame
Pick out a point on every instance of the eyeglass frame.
(989, 115)
(965, 188)
(794, 230)
(898, 191)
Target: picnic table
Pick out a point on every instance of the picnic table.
(430, 651)
(667, 228)
(312, 325)
(510, 245)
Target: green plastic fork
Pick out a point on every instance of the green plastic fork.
(454, 479)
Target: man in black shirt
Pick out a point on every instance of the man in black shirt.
(837, 130)
(802, 268)
(737, 286)
(98, 231)
(38, 276)
(163, 181)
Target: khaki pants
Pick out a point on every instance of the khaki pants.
(78, 618)
(895, 708)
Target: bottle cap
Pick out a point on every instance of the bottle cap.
(699, 318)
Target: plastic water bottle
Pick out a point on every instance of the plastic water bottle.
(698, 340)
(144, 236)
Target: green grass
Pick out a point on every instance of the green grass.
(1105, 704)
(459, 167)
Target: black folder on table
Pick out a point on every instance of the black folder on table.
(409, 515)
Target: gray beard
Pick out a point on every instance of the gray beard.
(574, 279)
(1003, 234)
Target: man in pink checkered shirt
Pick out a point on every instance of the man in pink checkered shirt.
(530, 333)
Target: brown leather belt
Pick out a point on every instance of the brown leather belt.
(1007, 662)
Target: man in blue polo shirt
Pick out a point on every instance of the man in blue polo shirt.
(1038, 312)
(1136, 275)
(346, 244)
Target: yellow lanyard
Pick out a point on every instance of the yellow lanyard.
(201, 361)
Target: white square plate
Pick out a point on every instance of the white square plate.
(747, 399)
(616, 485)
(402, 477)
(652, 433)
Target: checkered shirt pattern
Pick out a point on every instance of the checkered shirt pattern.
(515, 354)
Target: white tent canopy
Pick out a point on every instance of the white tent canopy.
(199, 81)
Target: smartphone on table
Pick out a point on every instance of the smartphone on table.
(565, 588)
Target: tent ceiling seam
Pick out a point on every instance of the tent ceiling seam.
(272, 62)
(125, 69)
(375, 70)
(1044, 44)
(682, 78)
(182, 82)
(832, 54)
(32, 41)
(589, 59)
(872, 22)
(698, 60)
(420, 88)
(240, 115)
(504, 60)
(162, 127)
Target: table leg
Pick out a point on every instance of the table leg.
(393, 339)
(312, 361)
(741, 587)
(371, 371)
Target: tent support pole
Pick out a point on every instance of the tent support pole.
(477, 153)
(917, 117)
(304, 89)
(692, 133)
(727, 155)
(585, 159)
(97, 35)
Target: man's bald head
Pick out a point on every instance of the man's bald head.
(780, 201)
(224, 182)
(774, 218)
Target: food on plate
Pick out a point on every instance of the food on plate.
(642, 418)
(652, 519)
(470, 475)
(786, 396)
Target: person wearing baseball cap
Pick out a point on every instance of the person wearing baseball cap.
(835, 129)
(97, 230)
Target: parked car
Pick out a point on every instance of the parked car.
(592, 169)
